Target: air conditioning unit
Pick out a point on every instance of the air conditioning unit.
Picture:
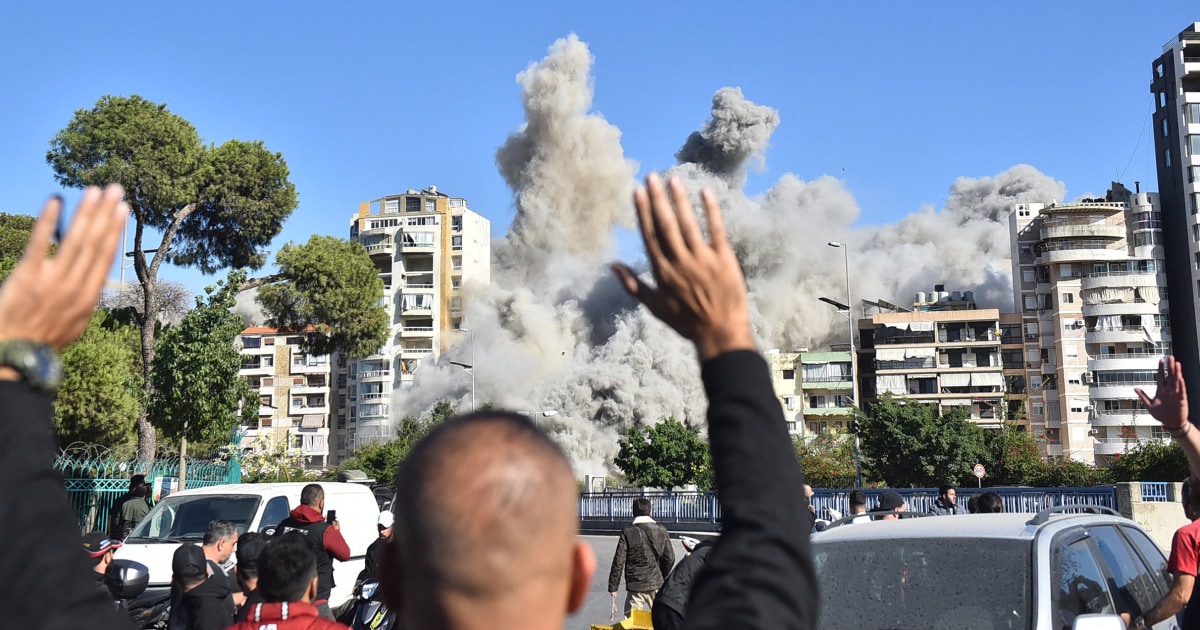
(1086, 377)
(1076, 274)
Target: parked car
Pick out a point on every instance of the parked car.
(183, 517)
(989, 572)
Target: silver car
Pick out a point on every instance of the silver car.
(1057, 570)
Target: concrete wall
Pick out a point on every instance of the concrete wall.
(1160, 519)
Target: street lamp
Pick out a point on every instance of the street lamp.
(853, 359)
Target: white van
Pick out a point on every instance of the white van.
(183, 517)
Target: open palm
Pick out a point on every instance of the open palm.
(1169, 405)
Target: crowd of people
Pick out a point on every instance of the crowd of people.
(486, 528)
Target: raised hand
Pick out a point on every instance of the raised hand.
(50, 300)
(700, 290)
(1169, 405)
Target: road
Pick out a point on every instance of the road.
(598, 604)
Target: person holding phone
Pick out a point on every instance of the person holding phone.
(324, 535)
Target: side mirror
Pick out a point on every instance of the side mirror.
(1098, 622)
(126, 579)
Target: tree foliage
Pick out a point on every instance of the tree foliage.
(1014, 458)
(827, 459)
(14, 236)
(1152, 461)
(665, 455)
(381, 460)
(197, 392)
(215, 206)
(101, 394)
(330, 285)
(910, 445)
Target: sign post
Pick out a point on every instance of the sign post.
(979, 473)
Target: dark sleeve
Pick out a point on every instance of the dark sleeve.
(618, 565)
(760, 573)
(43, 550)
(211, 615)
(667, 560)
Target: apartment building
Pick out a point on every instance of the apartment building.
(294, 390)
(814, 389)
(1089, 279)
(945, 351)
(426, 246)
(1175, 84)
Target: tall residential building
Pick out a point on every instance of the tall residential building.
(1088, 278)
(1176, 86)
(814, 389)
(946, 351)
(426, 245)
(294, 392)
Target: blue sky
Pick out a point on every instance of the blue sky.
(371, 98)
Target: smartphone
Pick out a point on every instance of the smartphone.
(331, 516)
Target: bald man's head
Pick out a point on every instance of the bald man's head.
(486, 511)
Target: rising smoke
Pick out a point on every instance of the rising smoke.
(554, 332)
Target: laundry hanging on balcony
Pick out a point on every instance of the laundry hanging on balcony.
(1107, 295)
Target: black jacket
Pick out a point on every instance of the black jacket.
(369, 561)
(645, 554)
(43, 551)
(207, 607)
(678, 585)
(760, 573)
(941, 508)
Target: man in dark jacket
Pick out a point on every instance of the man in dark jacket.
(203, 602)
(488, 528)
(384, 524)
(645, 554)
(324, 538)
(946, 503)
(671, 603)
(116, 528)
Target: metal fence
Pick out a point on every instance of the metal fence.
(703, 507)
(1154, 490)
(93, 483)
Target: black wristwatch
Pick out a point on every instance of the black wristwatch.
(37, 363)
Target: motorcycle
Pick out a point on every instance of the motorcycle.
(126, 581)
(370, 613)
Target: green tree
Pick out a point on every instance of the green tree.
(381, 460)
(910, 445)
(329, 290)
(1151, 461)
(1014, 458)
(827, 459)
(197, 392)
(14, 236)
(100, 398)
(664, 455)
(210, 207)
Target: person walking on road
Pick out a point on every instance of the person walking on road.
(645, 555)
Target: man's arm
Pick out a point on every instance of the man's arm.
(1170, 407)
(760, 573)
(335, 544)
(49, 301)
(666, 561)
(618, 565)
(1173, 601)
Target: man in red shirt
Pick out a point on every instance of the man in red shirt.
(324, 538)
(1185, 556)
(287, 580)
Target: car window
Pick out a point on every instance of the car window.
(277, 509)
(1153, 557)
(1081, 587)
(1132, 588)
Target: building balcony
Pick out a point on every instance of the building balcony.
(1114, 391)
(1123, 362)
(1081, 254)
(381, 249)
(1121, 308)
(1121, 279)
(1054, 450)
(310, 389)
(415, 351)
(418, 248)
(419, 287)
(256, 347)
(1092, 230)
(1119, 446)
(373, 396)
(416, 331)
(308, 410)
(416, 308)
(1124, 418)
(375, 376)
(255, 369)
(1127, 334)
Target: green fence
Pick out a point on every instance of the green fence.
(93, 483)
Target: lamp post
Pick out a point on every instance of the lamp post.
(853, 361)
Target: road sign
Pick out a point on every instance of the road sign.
(979, 471)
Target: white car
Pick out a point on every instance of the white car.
(989, 572)
(183, 517)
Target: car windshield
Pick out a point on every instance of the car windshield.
(180, 518)
(924, 583)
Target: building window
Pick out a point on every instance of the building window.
(789, 375)
(391, 206)
(1068, 298)
(1165, 130)
(269, 341)
(1195, 233)
(1193, 113)
(1027, 275)
(431, 205)
(1193, 175)
(1162, 99)
(1197, 255)
(1167, 157)
(456, 223)
(1158, 69)
(1193, 145)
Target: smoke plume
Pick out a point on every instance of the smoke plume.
(555, 336)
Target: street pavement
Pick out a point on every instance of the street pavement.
(599, 603)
